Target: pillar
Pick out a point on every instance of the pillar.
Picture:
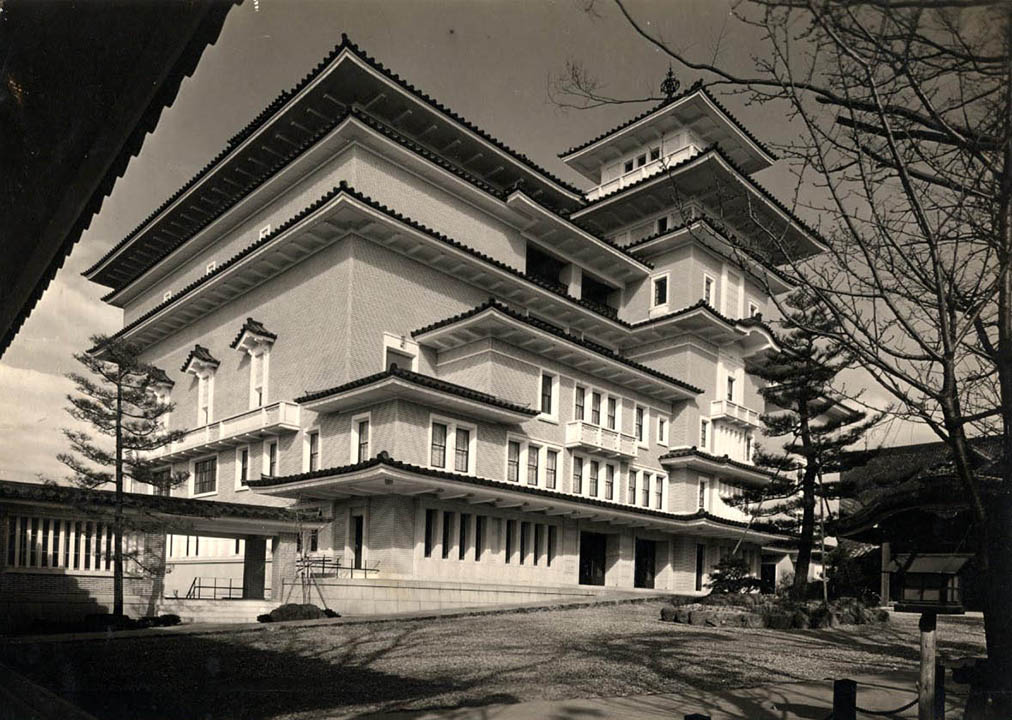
(254, 567)
(283, 577)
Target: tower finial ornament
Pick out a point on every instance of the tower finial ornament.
(670, 84)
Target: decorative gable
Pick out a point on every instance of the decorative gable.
(253, 337)
(200, 361)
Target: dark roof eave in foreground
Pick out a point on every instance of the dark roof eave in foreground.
(384, 460)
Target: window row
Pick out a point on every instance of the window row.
(660, 294)
(602, 480)
(532, 463)
(43, 543)
(451, 535)
(605, 410)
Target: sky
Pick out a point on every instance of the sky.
(489, 60)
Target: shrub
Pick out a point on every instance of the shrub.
(169, 619)
(292, 611)
(331, 613)
(731, 576)
(265, 618)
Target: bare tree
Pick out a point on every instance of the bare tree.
(904, 152)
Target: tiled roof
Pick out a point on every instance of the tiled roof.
(279, 102)
(11, 490)
(719, 459)
(493, 304)
(695, 87)
(719, 229)
(253, 327)
(202, 354)
(701, 304)
(384, 459)
(711, 150)
(158, 376)
(351, 192)
(424, 381)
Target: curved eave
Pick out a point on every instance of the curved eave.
(695, 111)
(493, 322)
(397, 388)
(576, 244)
(348, 79)
(388, 477)
(721, 466)
(710, 177)
(337, 215)
(707, 236)
(704, 322)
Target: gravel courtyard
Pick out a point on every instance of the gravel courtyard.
(330, 671)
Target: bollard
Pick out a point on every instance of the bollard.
(939, 691)
(844, 700)
(697, 716)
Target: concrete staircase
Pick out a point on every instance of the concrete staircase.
(216, 611)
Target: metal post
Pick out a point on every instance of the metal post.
(926, 686)
(844, 700)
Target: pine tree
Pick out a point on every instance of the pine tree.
(799, 396)
(120, 401)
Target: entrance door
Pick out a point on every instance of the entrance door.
(768, 577)
(646, 556)
(358, 524)
(592, 558)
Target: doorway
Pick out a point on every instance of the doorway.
(358, 523)
(768, 577)
(646, 562)
(593, 549)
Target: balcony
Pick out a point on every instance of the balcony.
(600, 440)
(651, 168)
(273, 419)
(734, 414)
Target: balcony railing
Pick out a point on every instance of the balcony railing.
(600, 439)
(651, 168)
(733, 413)
(273, 419)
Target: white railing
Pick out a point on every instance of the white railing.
(732, 412)
(267, 420)
(652, 167)
(599, 439)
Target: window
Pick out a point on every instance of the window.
(465, 527)
(438, 453)
(513, 461)
(205, 476)
(362, 435)
(480, 523)
(551, 468)
(609, 482)
(258, 378)
(552, 545)
(704, 434)
(708, 289)
(701, 499)
(533, 452)
(314, 451)
(581, 397)
(612, 412)
(43, 543)
(451, 439)
(400, 351)
(265, 231)
(525, 529)
(660, 290)
(753, 309)
(748, 448)
(447, 529)
(730, 389)
(655, 153)
(633, 477)
(577, 474)
(645, 491)
(205, 398)
(462, 450)
(628, 165)
(539, 541)
(640, 420)
(242, 467)
(166, 295)
(662, 224)
(549, 393)
(210, 267)
(272, 458)
(700, 564)
(658, 492)
(594, 468)
(662, 431)
(430, 531)
(641, 160)
(595, 408)
(511, 528)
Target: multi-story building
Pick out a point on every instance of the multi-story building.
(367, 305)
